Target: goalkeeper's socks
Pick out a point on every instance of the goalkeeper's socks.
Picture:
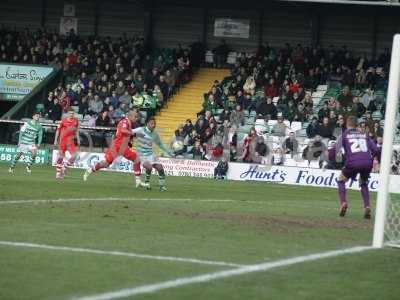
(342, 191)
(365, 195)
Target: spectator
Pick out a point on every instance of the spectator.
(270, 89)
(201, 125)
(325, 130)
(95, 105)
(377, 130)
(323, 112)
(221, 169)
(248, 145)
(197, 152)
(345, 98)
(83, 106)
(210, 104)
(188, 128)
(277, 157)
(225, 115)
(315, 150)
(103, 120)
(367, 97)
(177, 142)
(244, 101)
(55, 112)
(249, 86)
(279, 129)
(290, 145)
(313, 128)
(373, 105)
(357, 108)
(267, 109)
(111, 115)
(237, 117)
(261, 151)
(170, 79)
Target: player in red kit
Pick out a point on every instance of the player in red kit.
(67, 131)
(120, 147)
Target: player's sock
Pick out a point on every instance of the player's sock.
(138, 173)
(161, 178)
(136, 169)
(30, 160)
(342, 191)
(59, 166)
(147, 176)
(14, 162)
(29, 164)
(365, 194)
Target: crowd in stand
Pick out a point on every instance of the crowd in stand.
(102, 77)
(278, 85)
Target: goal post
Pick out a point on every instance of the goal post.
(382, 202)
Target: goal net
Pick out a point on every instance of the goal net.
(387, 217)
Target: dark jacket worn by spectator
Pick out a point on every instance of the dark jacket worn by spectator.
(312, 128)
(267, 108)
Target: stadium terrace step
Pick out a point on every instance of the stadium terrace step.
(187, 102)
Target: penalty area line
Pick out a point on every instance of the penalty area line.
(119, 253)
(183, 281)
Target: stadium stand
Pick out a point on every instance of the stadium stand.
(273, 107)
(277, 98)
(102, 77)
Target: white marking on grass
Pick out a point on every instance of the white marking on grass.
(151, 288)
(119, 253)
(276, 204)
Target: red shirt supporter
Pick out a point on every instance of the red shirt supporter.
(271, 91)
(294, 87)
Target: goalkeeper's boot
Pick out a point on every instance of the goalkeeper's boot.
(163, 188)
(343, 209)
(11, 170)
(87, 173)
(367, 213)
(28, 169)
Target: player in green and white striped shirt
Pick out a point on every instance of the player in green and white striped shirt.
(30, 138)
(145, 138)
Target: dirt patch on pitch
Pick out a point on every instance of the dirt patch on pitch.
(279, 224)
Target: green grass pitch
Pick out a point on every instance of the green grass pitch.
(236, 222)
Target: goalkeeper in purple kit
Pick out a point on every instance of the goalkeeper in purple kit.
(357, 151)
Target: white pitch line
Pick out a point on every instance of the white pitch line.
(119, 253)
(38, 201)
(151, 288)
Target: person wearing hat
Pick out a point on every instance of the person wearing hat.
(30, 138)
